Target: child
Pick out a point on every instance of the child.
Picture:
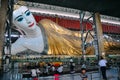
(35, 78)
(56, 75)
(83, 74)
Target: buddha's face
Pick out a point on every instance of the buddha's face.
(23, 18)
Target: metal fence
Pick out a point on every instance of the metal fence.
(94, 75)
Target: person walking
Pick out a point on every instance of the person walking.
(103, 63)
(72, 66)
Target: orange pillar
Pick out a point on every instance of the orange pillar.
(99, 34)
(56, 19)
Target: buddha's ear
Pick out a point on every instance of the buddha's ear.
(14, 27)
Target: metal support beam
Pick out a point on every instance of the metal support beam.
(82, 14)
(97, 34)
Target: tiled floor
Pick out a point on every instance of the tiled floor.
(112, 74)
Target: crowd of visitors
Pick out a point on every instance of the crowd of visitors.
(49, 68)
(46, 70)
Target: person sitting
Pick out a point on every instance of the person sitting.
(38, 72)
(33, 73)
(53, 69)
(60, 69)
(83, 66)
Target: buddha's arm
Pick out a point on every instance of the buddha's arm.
(17, 47)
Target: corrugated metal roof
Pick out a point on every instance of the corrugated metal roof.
(105, 7)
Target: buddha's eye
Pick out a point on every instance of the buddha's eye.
(20, 19)
(27, 13)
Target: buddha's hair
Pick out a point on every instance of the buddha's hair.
(16, 7)
(19, 4)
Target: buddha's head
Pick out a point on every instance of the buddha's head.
(23, 18)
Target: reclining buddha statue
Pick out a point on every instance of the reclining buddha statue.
(45, 37)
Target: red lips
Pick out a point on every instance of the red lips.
(31, 25)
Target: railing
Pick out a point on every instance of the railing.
(93, 75)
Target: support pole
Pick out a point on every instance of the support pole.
(3, 12)
(6, 11)
(98, 36)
